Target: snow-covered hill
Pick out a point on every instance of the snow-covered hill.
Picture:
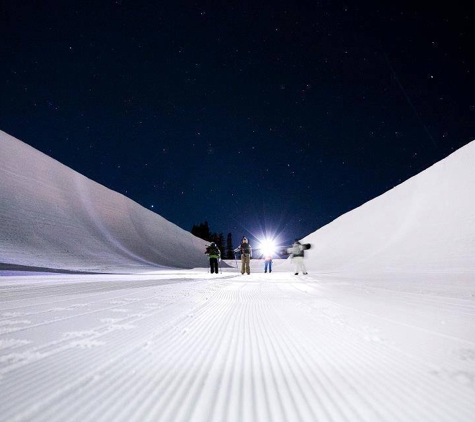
(53, 217)
(425, 225)
(186, 345)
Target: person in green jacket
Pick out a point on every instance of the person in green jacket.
(214, 255)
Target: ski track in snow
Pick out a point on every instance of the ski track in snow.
(235, 348)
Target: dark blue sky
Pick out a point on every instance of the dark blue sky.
(275, 115)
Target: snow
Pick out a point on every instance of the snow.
(53, 217)
(382, 328)
(423, 226)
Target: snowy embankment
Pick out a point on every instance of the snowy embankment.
(426, 225)
(53, 217)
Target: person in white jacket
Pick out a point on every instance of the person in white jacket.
(297, 254)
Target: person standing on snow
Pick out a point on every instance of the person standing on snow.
(297, 254)
(214, 254)
(268, 263)
(246, 254)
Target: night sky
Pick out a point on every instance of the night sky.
(263, 116)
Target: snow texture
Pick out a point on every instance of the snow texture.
(382, 329)
(423, 226)
(53, 217)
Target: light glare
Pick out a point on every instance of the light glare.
(267, 247)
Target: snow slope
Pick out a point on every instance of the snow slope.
(53, 217)
(381, 330)
(191, 346)
(426, 225)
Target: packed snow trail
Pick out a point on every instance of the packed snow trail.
(191, 346)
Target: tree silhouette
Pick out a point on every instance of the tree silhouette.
(203, 232)
(229, 247)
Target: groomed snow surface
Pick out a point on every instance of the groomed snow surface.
(382, 328)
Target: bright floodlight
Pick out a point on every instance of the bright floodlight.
(267, 247)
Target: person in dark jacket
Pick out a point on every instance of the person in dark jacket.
(246, 254)
(214, 255)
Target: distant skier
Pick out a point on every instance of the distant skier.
(268, 263)
(296, 254)
(214, 254)
(246, 254)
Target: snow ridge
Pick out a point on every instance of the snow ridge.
(425, 225)
(53, 217)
